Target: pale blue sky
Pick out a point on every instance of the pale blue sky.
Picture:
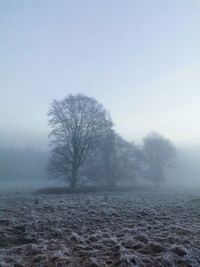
(141, 59)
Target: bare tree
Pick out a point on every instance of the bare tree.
(159, 155)
(98, 165)
(109, 158)
(76, 122)
(113, 160)
(124, 162)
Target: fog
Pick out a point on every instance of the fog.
(26, 169)
(49, 51)
(99, 133)
(186, 172)
(22, 168)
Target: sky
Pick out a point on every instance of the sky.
(140, 59)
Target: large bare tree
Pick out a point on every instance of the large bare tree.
(159, 155)
(76, 122)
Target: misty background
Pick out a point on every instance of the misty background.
(141, 59)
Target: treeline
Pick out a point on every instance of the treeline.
(85, 149)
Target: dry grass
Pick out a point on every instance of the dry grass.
(140, 229)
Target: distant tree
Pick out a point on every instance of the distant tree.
(98, 165)
(159, 155)
(129, 157)
(109, 158)
(76, 123)
(113, 160)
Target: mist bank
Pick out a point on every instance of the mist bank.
(27, 169)
(22, 168)
(186, 171)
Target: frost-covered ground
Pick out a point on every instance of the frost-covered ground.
(133, 229)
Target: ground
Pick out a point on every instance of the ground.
(131, 229)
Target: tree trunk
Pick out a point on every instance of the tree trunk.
(74, 178)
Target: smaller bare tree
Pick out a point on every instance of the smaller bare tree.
(159, 155)
(113, 160)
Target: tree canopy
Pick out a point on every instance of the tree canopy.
(76, 122)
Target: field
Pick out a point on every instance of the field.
(128, 229)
